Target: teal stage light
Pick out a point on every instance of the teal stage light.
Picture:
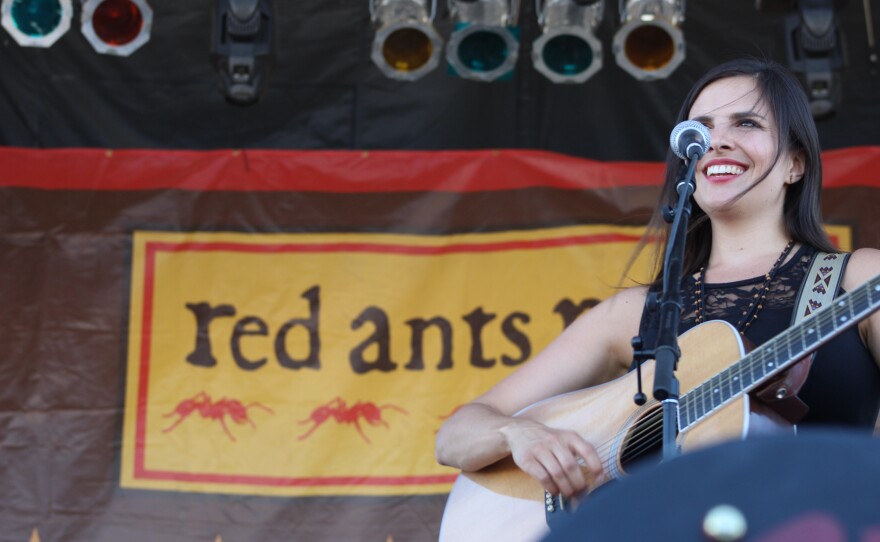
(36, 23)
(567, 50)
(484, 46)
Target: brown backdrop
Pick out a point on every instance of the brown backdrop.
(65, 223)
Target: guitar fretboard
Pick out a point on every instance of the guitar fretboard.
(779, 353)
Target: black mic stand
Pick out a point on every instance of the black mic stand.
(666, 352)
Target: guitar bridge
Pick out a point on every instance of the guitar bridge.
(553, 506)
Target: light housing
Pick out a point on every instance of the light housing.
(36, 23)
(484, 46)
(406, 45)
(649, 44)
(242, 47)
(116, 27)
(815, 51)
(567, 50)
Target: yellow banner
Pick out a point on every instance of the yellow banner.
(317, 364)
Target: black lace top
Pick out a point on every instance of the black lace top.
(843, 387)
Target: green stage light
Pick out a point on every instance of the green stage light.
(567, 50)
(483, 51)
(484, 46)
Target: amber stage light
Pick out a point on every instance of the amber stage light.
(649, 45)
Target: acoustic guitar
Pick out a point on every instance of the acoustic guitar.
(716, 376)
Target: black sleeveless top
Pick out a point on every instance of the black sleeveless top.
(843, 387)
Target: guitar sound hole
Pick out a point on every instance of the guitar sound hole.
(643, 445)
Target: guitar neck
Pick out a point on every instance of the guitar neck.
(779, 353)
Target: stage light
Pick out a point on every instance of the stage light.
(116, 27)
(815, 52)
(649, 44)
(36, 23)
(567, 50)
(242, 47)
(406, 45)
(484, 44)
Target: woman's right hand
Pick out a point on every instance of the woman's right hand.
(560, 460)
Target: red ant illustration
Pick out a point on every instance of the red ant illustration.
(339, 411)
(208, 409)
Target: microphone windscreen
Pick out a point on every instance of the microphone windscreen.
(687, 133)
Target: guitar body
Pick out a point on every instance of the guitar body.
(501, 502)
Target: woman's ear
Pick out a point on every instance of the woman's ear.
(797, 167)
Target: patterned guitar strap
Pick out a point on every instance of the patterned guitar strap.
(819, 287)
(821, 284)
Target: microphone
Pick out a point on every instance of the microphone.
(689, 140)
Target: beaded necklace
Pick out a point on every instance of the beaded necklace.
(757, 303)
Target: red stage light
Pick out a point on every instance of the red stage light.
(116, 27)
(117, 21)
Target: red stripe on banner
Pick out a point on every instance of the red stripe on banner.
(281, 481)
(144, 373)
(319, 171)
(383, 248)
(355, 171)
(854, 166)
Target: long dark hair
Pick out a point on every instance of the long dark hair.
(796, 132)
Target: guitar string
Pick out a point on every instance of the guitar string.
(648, 437)
(645, 435)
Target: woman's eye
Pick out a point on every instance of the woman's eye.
(748, 123)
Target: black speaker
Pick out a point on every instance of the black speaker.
(821, 485)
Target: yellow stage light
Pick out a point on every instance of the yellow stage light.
(406, 45)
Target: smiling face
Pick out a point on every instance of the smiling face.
(743, 152)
